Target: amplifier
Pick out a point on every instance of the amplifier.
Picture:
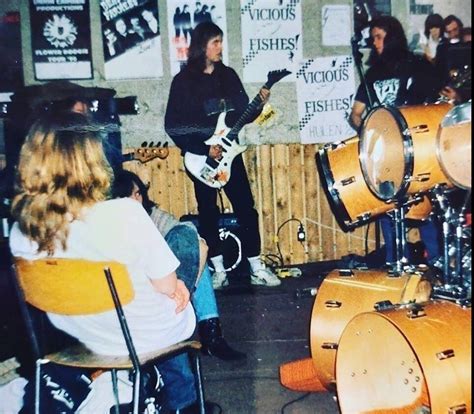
(227, 220)
(229, 235)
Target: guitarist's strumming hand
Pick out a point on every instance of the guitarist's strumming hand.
(264, 95)
(215, 152)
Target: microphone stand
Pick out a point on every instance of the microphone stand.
(358, 62)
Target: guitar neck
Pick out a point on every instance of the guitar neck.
(246, 116)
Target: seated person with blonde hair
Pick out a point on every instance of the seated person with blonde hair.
(61, 210)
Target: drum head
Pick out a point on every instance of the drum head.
(391, 380)
(454, 145)
(383, 152)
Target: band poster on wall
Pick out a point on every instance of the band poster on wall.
(131, 39)
(61, 39)
(183, 17)
(325, 91)
(11, 75)
(271, 37)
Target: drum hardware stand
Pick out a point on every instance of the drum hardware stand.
(453, 286)
(398, 219)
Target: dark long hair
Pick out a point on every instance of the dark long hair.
(395, 45)
(434, 20)
(123, 187)
(201, 35)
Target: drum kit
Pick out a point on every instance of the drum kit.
(398, 340)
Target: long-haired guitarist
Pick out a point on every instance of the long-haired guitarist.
(199, 93)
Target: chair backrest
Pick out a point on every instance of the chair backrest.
(72, 286)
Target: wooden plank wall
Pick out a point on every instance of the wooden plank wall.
(286, 188)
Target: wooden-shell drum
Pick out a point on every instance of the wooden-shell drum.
(409, 359)
(398, 150)
(454, 145)
(346, 293)
(349, 196)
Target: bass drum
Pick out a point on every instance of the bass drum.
(349, 196)
(409, 359)
(346, 293)
(454, 145)
(398, 150)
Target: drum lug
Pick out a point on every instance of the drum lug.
(333, 304)
(346, 272)
(383, 305)
(446, 354)
(347, 181)
(416, 311)
(458, 409)
(329, 345)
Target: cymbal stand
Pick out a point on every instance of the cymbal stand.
(460, 222)
(452, 287)
(398, 219)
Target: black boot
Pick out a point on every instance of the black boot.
(214, 344)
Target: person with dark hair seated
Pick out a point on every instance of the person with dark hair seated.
(191, 251)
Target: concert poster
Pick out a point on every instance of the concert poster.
(61, 39)
(183, 17)
(131, 39)
(11, 75)
(325, 91)
(271, 38)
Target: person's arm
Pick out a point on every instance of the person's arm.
(174, 288)
(357, 112)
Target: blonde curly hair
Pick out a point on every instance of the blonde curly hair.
(62, 169)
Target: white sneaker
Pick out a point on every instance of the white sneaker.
(219, 280)
(264, 277)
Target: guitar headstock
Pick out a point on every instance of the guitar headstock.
(145, 154)
(276, 75)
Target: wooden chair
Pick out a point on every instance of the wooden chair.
(80, 287)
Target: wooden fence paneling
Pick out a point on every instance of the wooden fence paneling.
(286, 187)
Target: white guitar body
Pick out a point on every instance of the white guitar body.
(219, 176)
(216, 173)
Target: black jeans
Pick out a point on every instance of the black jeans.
(239, 193)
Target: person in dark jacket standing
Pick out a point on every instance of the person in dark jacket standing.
(203, 89)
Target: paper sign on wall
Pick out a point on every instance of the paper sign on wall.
(325, 91)
(271, 37)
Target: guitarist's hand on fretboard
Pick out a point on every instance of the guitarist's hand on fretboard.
(264, 95)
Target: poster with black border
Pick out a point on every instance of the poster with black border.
(61, 39)
(131, 39)
(11, 75)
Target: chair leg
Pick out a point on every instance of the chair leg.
(115, 390)
(199, 383)
(39, 362)
(136, 391)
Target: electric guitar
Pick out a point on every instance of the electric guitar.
(145, 154)
(216, 173)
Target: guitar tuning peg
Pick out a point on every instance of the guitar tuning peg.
(144, 144)
(158, 144)
(165, 145)
(151, 144)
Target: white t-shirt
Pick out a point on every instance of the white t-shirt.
(120, 230)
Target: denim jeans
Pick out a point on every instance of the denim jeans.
(179, 384)
(204, 298)
(429, 235)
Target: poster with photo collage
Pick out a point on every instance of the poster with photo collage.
(131, 39)
(183, 17)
